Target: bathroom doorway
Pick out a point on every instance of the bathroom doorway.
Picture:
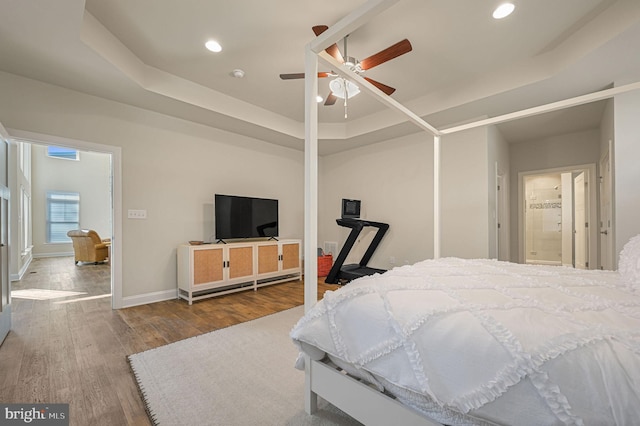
(557, 208)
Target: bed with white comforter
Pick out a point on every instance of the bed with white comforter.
(488, 342)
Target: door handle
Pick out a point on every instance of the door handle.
(604, 232)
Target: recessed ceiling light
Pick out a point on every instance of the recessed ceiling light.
(503, 10)
(213, 46)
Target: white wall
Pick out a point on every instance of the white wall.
(626, 168)
(607, 127)
(170, 167)
(498, 164)
(464, 194)
(607, 142)
(394, 181)
(90, 176)
(19, 176)
(549, 153)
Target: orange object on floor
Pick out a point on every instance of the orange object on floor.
(324, 265)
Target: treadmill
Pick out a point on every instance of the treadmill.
(342, 274)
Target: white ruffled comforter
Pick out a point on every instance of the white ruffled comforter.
(488, 342)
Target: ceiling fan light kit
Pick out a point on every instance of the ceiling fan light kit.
(343, 88)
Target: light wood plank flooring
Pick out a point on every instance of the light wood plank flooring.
(68, 346)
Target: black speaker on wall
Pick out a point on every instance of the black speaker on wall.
(350, 209)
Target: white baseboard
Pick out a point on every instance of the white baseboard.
(127, 302)
(27, 261)
(143, 299)
(59, 254)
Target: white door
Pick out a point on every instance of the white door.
(606, 247)
(580, 221)
(567, 219)
(5, 284)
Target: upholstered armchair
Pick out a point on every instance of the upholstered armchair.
(88, 247)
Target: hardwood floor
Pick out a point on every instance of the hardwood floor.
(68, 346)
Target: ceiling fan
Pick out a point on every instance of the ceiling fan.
(344, 89)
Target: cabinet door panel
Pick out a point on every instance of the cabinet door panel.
(290, 256)
(207, 266)
(267, 259)
(240, 262)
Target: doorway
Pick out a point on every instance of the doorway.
(115, 256)
(556, 209)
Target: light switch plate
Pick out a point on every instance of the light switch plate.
(137, 214)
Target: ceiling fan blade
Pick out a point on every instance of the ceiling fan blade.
(400, 48)
(331, 99)
(386, 89)
(319, 29)
(332, 50)
(301, 75)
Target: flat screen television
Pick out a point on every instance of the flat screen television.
(245, 217)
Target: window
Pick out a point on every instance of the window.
(63, 215)
(62, 152)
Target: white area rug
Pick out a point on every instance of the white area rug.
(236, 376)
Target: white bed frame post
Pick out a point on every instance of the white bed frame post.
(311, 206)
(311, 180)
(436, 197)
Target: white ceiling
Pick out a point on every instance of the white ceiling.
(464, 65)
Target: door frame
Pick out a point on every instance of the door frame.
(580, 255)
(116, 193)
(502, 216)
(592, 235)
(606, 241)
(5, 281)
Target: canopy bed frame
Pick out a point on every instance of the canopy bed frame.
(360, 401)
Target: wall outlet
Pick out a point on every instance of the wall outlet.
(137, 214)
(331, 248)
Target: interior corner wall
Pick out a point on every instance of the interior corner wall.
(464, 194)
(554, 152)
(626, 169)
(394, 181)
(170, 167)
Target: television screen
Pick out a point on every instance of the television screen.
(245, 217)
